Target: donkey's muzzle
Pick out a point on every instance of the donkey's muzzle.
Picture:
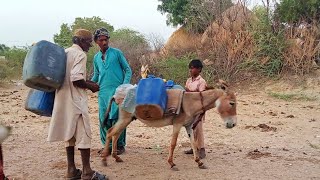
(231, 122)
(230, 125)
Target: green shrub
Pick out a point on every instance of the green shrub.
(270, 44)
(176, 69)
(11, 67)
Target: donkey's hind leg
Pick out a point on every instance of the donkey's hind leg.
(114, 146)
(113, 132)
(124, 120)
(105, 153)
(175, 134)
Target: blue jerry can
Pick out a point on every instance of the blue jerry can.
(169, 84)
(44, 67)
(40, 102)
(151, 99)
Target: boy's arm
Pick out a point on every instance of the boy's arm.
(186, 86)
(202, 85)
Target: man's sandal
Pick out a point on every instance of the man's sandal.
(98, 176)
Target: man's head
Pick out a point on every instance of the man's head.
(101, 37)
(195, 67)
(83, 38)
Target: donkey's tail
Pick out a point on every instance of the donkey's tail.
(106, 115)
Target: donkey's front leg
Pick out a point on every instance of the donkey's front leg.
(175, 134)
(194, 148)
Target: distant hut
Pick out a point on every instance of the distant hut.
(181, 41)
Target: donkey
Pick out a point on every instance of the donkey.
(193, 104)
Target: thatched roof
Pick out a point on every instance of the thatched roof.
(181, 41)
(232, 19)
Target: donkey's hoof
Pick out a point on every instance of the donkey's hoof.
(174, 168)
(119, 160)
(104, 163)
(203, 166)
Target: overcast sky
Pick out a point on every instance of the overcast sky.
(26, 21)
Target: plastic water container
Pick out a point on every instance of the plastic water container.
(151, 99)
(177, 86)
(169, 84)
(44, 66)
(40, 102)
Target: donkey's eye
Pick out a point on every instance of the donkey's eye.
(232, 103)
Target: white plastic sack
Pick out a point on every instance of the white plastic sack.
(129, 102)
(122, 91)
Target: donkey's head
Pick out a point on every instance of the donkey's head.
(227, 105)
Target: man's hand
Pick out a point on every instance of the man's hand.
(93, 86)
(87, 85)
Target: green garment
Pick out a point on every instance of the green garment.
(109, 74)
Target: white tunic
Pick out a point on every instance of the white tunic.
(71, 103)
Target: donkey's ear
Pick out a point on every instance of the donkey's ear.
(223, 85)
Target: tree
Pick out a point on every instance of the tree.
(156, 41)
(64, 37)
(133, 44)
(195, 15)
(91, 24)
(295, 11)
(176, 10)
(270, 44)
(3, 49)
(129, 38)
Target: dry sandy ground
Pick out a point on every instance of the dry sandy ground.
(274, 139)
